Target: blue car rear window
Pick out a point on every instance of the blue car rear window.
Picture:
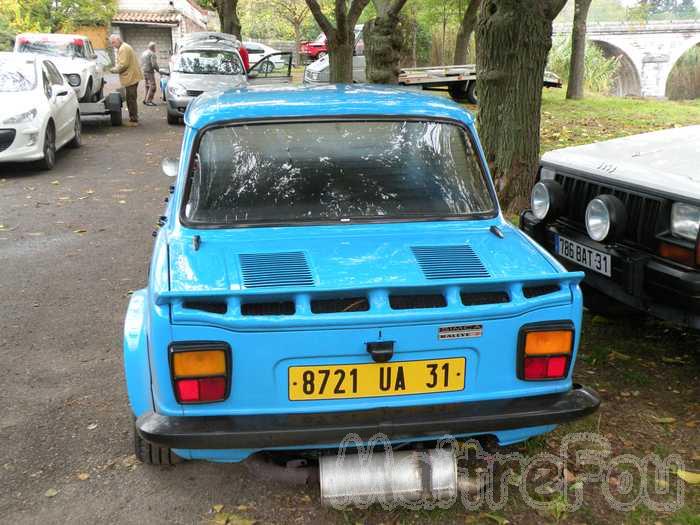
(335, 171)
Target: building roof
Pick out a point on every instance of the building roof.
(320, 101)
(145, 17)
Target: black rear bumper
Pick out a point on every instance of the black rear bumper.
(311, 430)
(639, 280)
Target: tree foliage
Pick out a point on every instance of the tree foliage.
(341, 36)
(54, 15)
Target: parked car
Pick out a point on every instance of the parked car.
(210, 37)
(626, 211)
(213, 64)
(74, 57)
(311, 51)
(458, 80)
(258, 51)
(300, 289)
(314, 49)
(38, 110)
(200, 67)
(319, 72)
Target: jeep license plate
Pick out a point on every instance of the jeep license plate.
(376, 379)
(588, 257)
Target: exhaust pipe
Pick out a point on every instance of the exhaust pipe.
(396, 477)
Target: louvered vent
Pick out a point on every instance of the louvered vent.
(266, 270)
(449, 262)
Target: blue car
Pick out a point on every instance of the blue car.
(333, 260)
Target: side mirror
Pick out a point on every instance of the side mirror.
(169, 166)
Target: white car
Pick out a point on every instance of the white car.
(38, 110)
(74, 57)
(258, 51)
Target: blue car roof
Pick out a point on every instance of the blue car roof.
(319, 101)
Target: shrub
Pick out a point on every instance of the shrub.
(599, 73)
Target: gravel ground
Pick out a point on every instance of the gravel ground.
(73, 243)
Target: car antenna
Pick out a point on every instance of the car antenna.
(496, 231)
(196, 242)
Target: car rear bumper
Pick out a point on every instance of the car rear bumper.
(639, 279)
(398, 424)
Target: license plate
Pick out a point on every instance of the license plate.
(588, 257)
(376, 379)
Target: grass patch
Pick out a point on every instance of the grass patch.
(596, 117)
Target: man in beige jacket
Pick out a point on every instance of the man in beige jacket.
(129, 76)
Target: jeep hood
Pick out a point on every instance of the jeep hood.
(69, 66)
(664, 161)
(327, 258)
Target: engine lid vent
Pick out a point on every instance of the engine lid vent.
(266, 270)
(449, 262)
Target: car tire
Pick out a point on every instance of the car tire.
(49, 160)
(100, 93)
(151, 454)
(463, 92)
(267, 67)
(472, 98)
(172, 119)
(78, 133)
(115, 117)
(87, 97)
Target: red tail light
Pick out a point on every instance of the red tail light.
(544, 350)
(205, 390)
(545, 367)
(201, 372)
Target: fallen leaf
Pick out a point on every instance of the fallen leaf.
(55, 182)
(218, 508)
(50, 493)
(92, 426)
(689, 477)
(663, 420)
(619, 355)
(495, 517)
(79, 230)
(83, 476)
(122, 202)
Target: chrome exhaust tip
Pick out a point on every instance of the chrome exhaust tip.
(388, 477)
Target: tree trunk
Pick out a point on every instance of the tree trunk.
(513, 38)
(414, 41)
(383, 46)
(578, 50)
(229, 17)
(466, 28)
(340, 55)
(297, 44)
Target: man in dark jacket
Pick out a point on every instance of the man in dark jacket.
(149, 66)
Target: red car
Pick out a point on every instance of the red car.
(315, 49)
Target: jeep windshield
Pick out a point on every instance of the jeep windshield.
(326, 172)
(47, 46)
(208, 62)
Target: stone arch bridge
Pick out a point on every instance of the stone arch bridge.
(647, 51)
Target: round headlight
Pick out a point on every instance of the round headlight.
(546, 199)
(73, 80)
(605, 218)
(539, 201)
